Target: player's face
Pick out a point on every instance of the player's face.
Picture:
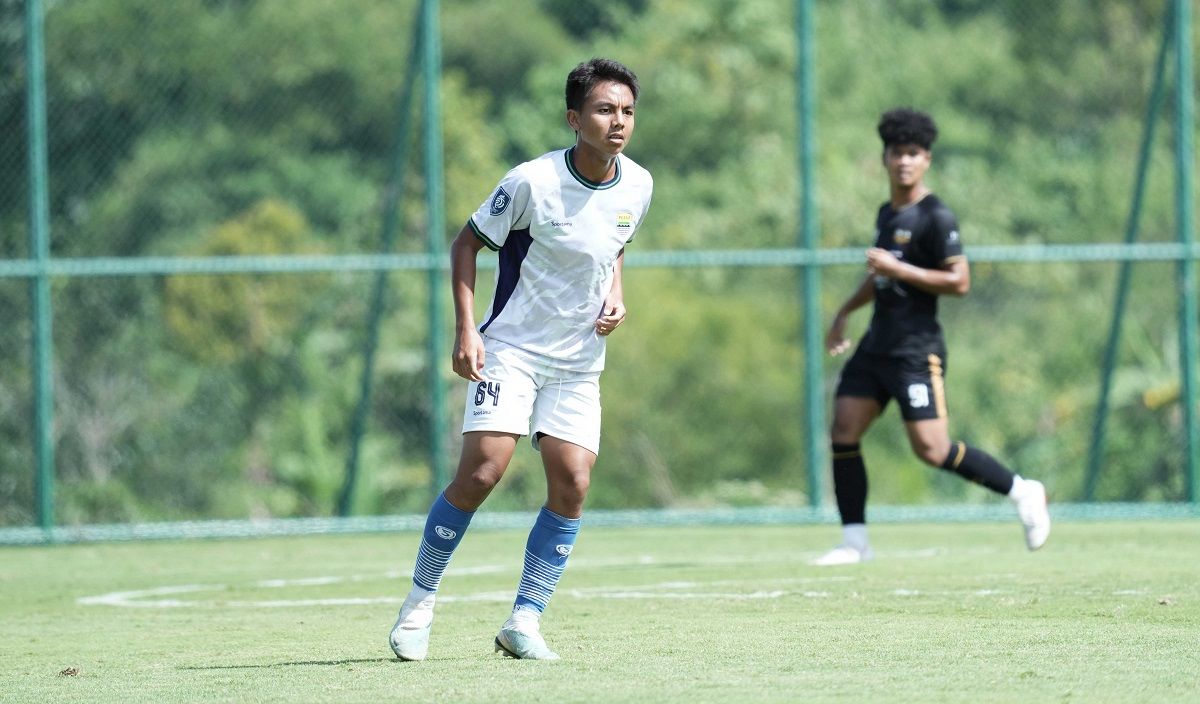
(605, 121)
(906, 164)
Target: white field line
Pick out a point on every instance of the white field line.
(146, 598)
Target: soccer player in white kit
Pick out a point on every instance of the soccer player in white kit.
(560, 224)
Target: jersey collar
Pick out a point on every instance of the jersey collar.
(604, 185)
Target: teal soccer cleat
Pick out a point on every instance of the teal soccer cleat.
(523, 643)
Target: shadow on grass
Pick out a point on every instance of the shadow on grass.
(298, 663)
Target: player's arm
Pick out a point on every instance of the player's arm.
(468, 343)
(953, 279)
(612, 313)
(836, 341)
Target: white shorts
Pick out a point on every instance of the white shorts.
(521, 396)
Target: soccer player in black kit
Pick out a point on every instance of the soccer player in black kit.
(917, 256)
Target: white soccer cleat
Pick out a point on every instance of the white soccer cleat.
(410, 635)
(844, 555)
(1035, 516)
(522, 639)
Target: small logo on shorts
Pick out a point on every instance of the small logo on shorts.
(499, 201)
(444, 533)
(563, 550)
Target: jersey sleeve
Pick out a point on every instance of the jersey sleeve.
(506, 210)
(945, 243)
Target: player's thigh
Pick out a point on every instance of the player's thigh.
(852, 415)
(485, 455)
(929, 439)
(503, 401)
(569, 409)
(861, 396)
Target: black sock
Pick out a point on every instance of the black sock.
(850, 483)
(979, 467)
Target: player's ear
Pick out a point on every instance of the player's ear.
(573, 119)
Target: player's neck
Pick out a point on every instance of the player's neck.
(904, 196)
(593, 165)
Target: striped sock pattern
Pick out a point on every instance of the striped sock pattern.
(444, 529)
(546, 552)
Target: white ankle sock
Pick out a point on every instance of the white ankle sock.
(419, 593)
(855, 535)
(1018, 488)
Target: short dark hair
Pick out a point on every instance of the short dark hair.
(907, 126)
(586, 75)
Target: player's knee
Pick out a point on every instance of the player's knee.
(481, 480)
(571, 488)
(932, 454)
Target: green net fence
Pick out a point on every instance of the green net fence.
(220, 175)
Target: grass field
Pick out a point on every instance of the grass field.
(1107, 612)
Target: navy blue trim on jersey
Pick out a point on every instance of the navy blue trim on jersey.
(482, 237)
(604, 185)
(512, 255)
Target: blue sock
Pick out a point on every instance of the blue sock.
(546, 553)
(443, 530)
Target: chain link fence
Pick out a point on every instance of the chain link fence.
(263, 128)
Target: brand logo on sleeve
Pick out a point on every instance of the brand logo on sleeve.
(500, 201)
(624, 221)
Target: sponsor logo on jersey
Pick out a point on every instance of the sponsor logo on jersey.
(500, 201)
(624, 221)
(561, 224)
(563, 550)
(953, 236)
(444, 533)
(902, 236)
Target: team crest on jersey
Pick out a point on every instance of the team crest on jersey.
(902, 236)
(953, 236)
(500, 201)
(624, 221)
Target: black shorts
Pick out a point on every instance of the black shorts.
(915, 381)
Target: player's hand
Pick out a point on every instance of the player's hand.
(882, 262)
(469, 355)
(611, 315)
(836, 341)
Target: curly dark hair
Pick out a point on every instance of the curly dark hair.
(586, 75)
(907, 126)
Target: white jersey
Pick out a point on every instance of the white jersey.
(558, 235)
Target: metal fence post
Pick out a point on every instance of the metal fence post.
(435, 205)
(809, 240)
(1185, 214)
(39, 251)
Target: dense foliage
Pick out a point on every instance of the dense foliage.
(225, 127)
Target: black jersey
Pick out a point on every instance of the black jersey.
(924, 234)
